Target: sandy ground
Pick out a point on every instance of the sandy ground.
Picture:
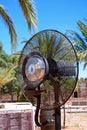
(74, 121)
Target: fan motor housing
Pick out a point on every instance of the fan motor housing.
(34, 69)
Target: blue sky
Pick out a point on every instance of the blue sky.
(61, 15)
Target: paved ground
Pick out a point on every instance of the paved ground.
(37, 128)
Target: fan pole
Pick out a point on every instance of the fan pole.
(57, 119)
(58, 109)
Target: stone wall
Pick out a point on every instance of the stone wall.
(81, 92)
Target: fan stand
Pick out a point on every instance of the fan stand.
(57, 113)
(58, 119)
(37, 110)
(57, 109)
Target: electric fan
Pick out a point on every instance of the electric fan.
(48, 65)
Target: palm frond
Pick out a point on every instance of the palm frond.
(77, 40)
(6, 75)
(29, 11)
(10, 25)
(85, 64)
(82, 28)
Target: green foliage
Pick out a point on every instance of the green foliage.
(7, 19)
(29, 12)
(80, 41)
(8, 74)
(79, 82)
(83, 28)
(8, 63)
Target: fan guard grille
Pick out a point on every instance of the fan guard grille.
(52, 44)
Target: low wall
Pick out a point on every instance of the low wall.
(79, 102)
(17, 116)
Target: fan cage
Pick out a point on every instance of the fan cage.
(52, 44)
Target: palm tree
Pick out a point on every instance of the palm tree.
(28, 8)
(8, 64)
(80, 41)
